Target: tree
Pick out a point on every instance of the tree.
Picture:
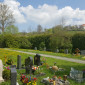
(11, 29)
(39, 28)
(6, 16)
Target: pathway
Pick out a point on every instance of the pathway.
(56, 57)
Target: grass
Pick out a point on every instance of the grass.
(80, 57)
(50, 61)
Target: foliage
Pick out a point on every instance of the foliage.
(9, 61)
(6, 16)
(11, 41)
(41, 46)
(6, 74)
(60, 40)
(11, 29)
(78, 41)
(38, 39)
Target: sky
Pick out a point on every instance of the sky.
(29, 14)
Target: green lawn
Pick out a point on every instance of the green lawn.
(50, 61)
(80, 57)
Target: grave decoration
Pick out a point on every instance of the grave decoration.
(28, 65)
(56, 81)
(34, 68)
(77, 75)
(77, 51)
(28, 80)
(37, 60)
(55, 68)
(9, 61)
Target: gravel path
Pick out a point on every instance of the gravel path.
(56, 57)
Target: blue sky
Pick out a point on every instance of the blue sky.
(29, 13)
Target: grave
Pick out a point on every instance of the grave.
(66, 51)
(76, 75)
(35, 48)
(18, 62)
(13, 75)
(57, 50)
(1, 69)
(28, 65)
(82, 52)
(37, 60)
(44, 48)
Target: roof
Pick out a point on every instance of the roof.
(83, 24)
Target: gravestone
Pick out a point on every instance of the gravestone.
(66, 51)
(18, 62)
(44, 48)
(82, 52)
(57, 50)
(28, 65)
(35, 48)
(13, 75)
(37, 59)
(1, 69)
(76, 75)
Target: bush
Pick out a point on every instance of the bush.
(41, 46)
(61, 51)
(24, 43)
(9, 62)
(6, 74)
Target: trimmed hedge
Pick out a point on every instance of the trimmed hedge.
(11, 41)
(78, 41)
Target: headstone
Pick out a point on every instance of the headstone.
(28, 65)
(66, 51)
(35, 48)
(82, 52)
(44, 48)
(37, 59)
(13, 75)
(57, 50)
(1, 69)
(18, 62)
(76, 75)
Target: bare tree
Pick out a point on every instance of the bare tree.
(6, 16)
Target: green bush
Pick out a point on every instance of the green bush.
(41, 46)
(24, 43)
(9, 62)
(61, 50)
(6, 74)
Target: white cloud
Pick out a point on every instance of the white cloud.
(15, 5)
(46, 14)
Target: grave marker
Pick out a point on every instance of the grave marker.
(66, 51)
(37, 59)
(28, 65)
(18, 62)
(13, 75)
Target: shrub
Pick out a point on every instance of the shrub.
(9, 62)
(6, 74)
(41, 46)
